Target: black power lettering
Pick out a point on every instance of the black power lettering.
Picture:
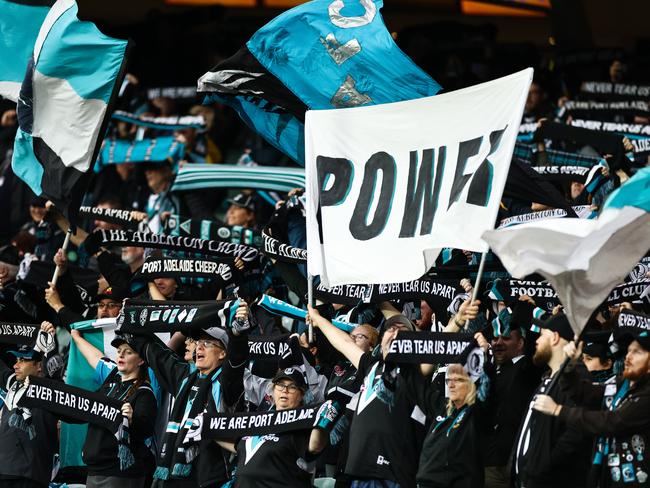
(481, 185)
(466, 149)
(342, 171)
(422, 192)
(359, 228)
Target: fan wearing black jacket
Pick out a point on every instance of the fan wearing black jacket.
(126, 380)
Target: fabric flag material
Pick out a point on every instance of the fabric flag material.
(582, 259)
(198, 176)
(284, 309)
(319, 55)
(20, 21)
(13, 333)
(71, 81)
(99, 333)
(409, 178)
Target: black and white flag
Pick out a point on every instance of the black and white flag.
(628, 292)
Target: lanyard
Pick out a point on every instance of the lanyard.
(459, 418)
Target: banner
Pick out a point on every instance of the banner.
(13, 333)
(187, 268)
(238, 425)
(627, 292)
(282, 252)
(139, 316)
(170, 123)
(635, 320)
(622, 90)
(199, 176)
(71, 402)
(428, 347)
(582, 211)
(114, 216)
(173, 92)
(107, 238)
(615, 127)
(432, 289)
(605, 110)
(158, 150)
(176, 225)
(409, 178)
(563, 173)
(271, 349)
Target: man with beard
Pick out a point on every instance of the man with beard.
(513, 379)
(624, 426)
(549, 453)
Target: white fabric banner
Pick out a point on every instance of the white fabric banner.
(389, 186)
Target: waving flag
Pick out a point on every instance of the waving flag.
(20, 21)
(320, 55)
(71, 79)
(582, 259)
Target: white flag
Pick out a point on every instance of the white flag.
(390, 185)
(582, 259)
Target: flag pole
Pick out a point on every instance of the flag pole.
(64, 248)
(479, 276)
(310, 301)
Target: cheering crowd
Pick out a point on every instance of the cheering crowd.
(193, 338)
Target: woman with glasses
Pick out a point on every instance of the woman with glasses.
(126, 380)
(279, 460)
(451, 453)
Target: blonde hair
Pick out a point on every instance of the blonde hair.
(470, 398)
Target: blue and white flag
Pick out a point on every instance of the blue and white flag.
(20, 21)
(320, 55)
(582, 259)
(70, 82)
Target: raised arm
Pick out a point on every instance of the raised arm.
(341, 341)
(89, 352)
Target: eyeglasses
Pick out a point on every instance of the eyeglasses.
(208, 344)
(449, 381)
(109, 306)
(290, 388)
(359, 336)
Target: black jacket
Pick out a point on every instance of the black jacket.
(210, 467)
(549, 453)
(101, 447)
(26, 454)
(511, 386)
(625, 429)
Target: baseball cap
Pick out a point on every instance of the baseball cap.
(557, 323)
(27, 352)
(112, 294)
(243, 200)
(293, 374)
(399, 319)
(643, 338)
(214, 332)
(118, 340)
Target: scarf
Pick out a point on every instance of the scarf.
(13, 333)
(223, 271)
(176, 225)
(107, 238)
(176, 457)
(114, 216)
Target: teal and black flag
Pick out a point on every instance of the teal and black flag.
(63, 105)
(20, 21)
(319, 55)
